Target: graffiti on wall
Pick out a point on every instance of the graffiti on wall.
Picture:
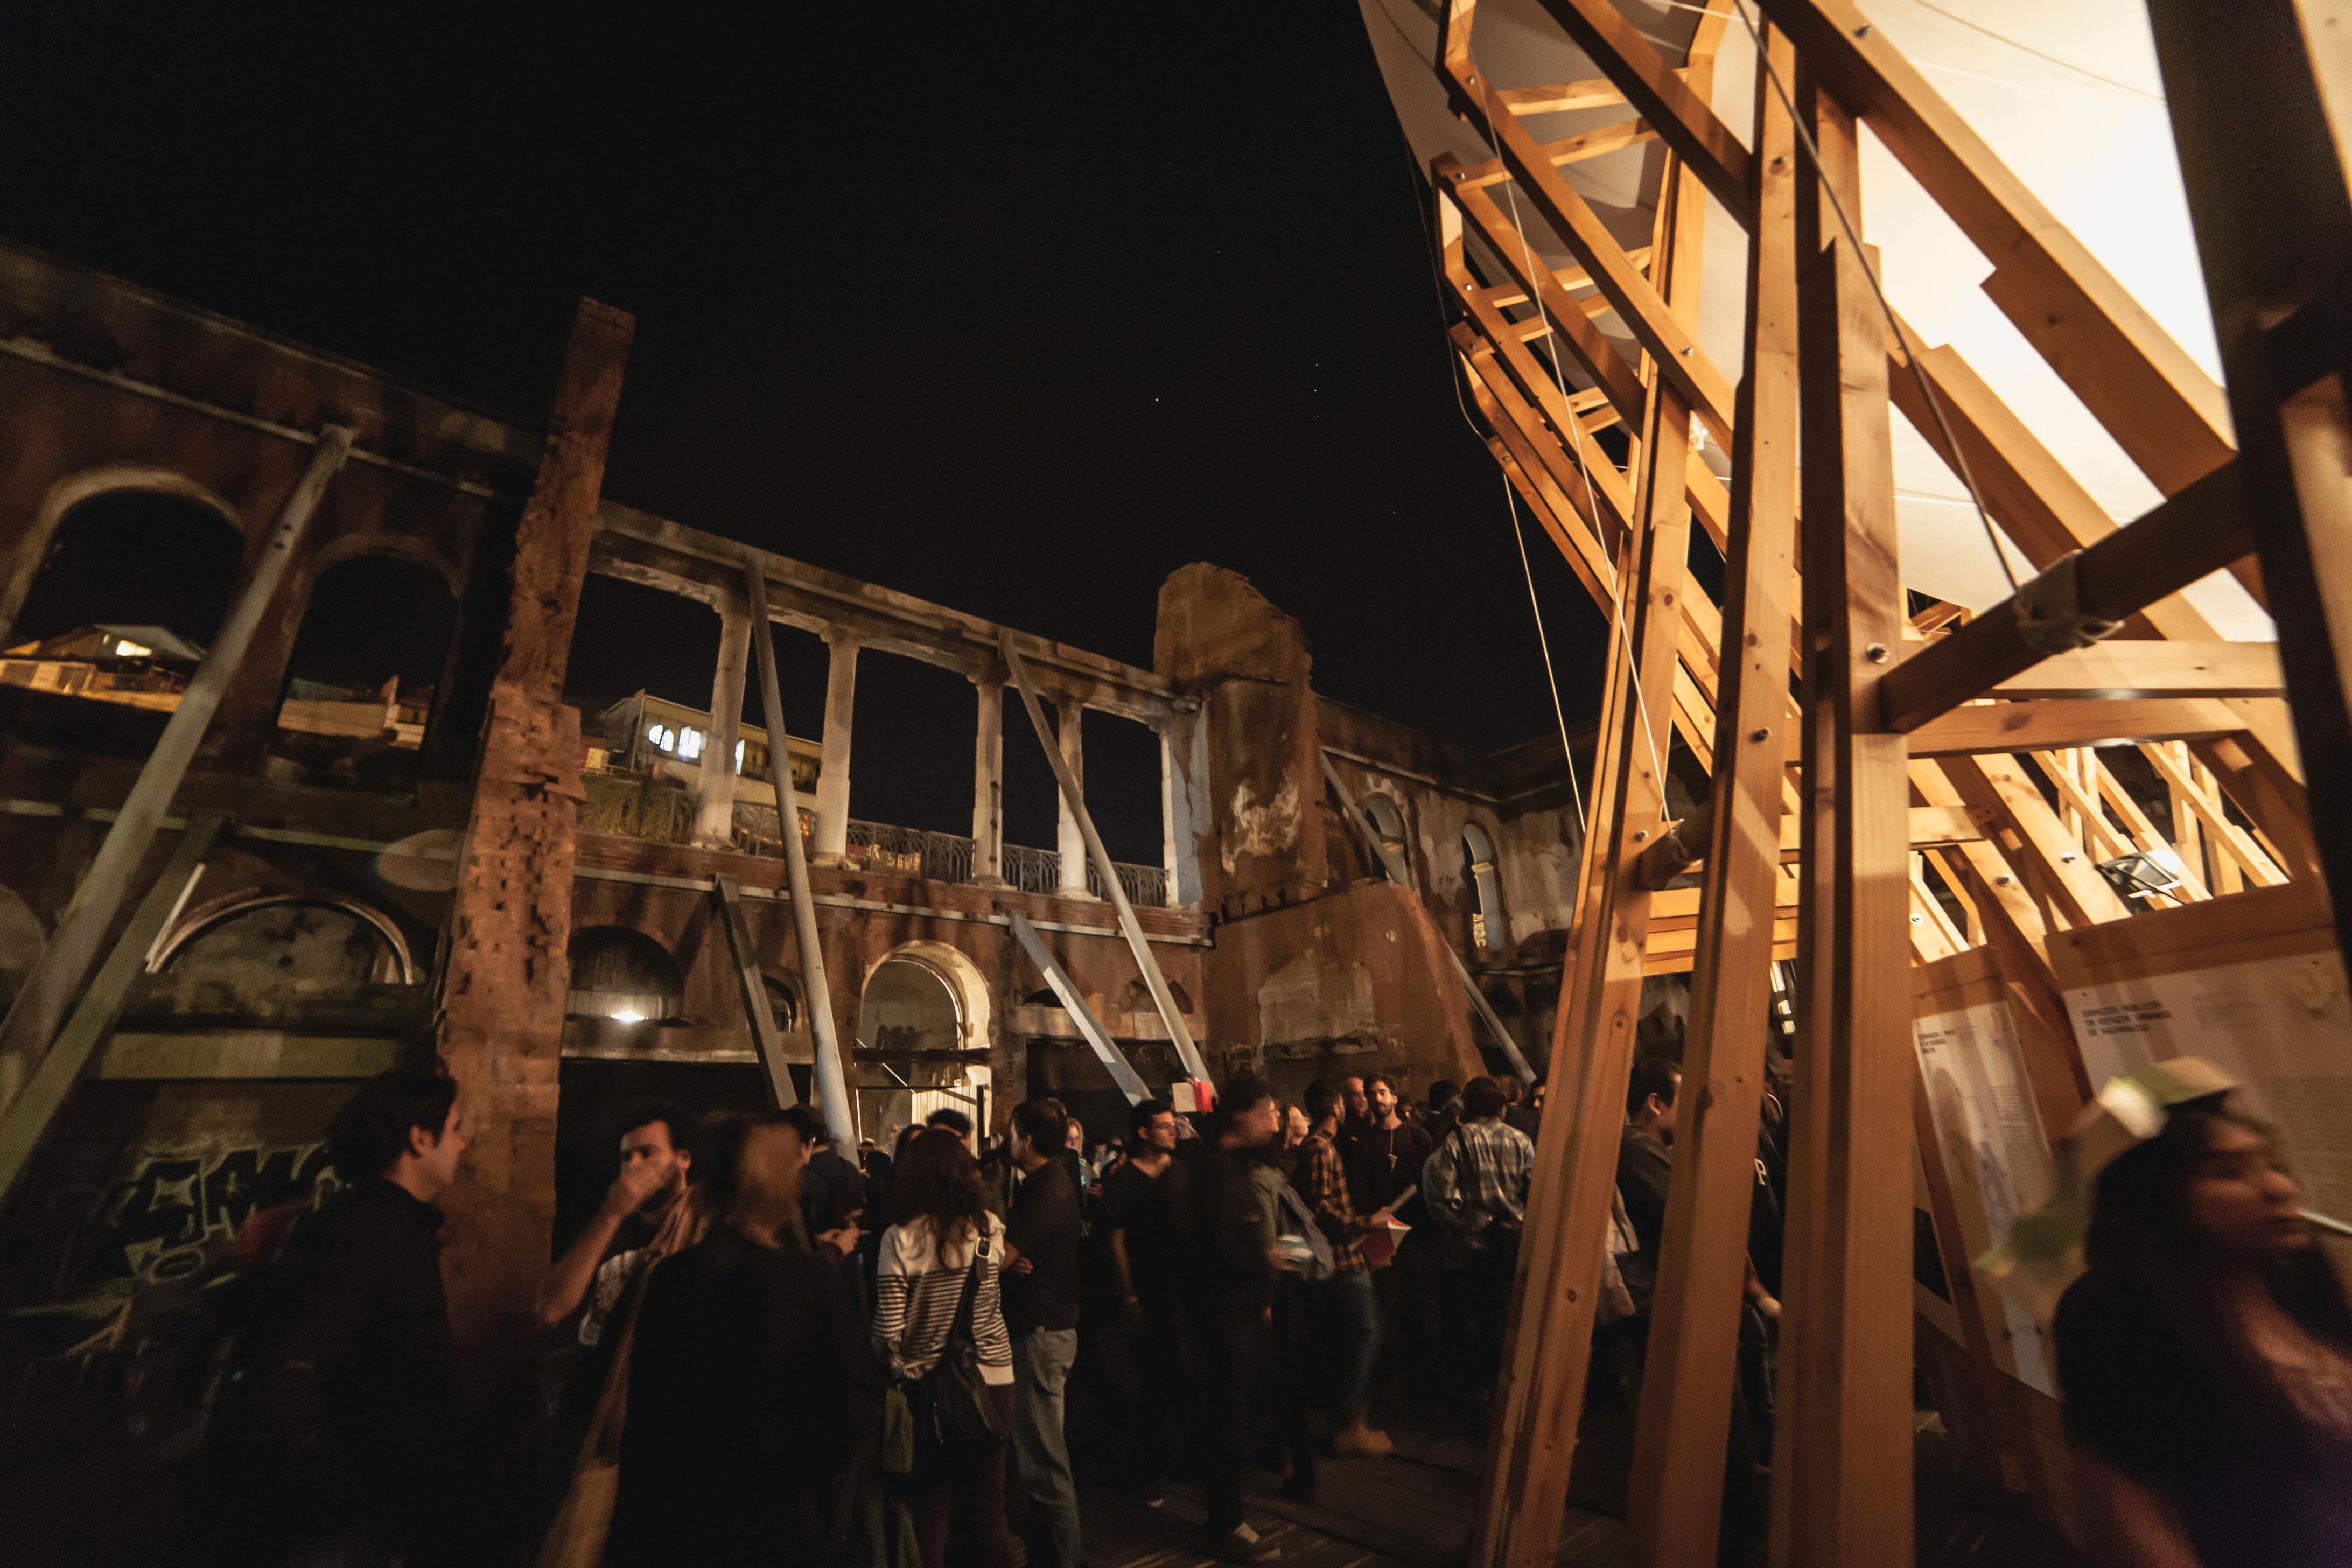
(179, 1210)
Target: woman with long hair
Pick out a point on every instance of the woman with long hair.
(2207, 1359)
(940, 1261)
(752, 1381)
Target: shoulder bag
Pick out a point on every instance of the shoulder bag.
(963, 1410)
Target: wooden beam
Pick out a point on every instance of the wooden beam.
(2153, 669)
(2185, 538)
(1576, 149)
(2151, 396)
(1996, 787)
(1524, 1497)
(1675, 1500)
(2261, 130)
(1703, 144)
(1563, 97)
(1848, 1445)
(1591, 350)
(1567, 277)
(1983, 727)
(1698, 385)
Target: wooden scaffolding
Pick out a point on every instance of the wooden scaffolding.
(1910, 802)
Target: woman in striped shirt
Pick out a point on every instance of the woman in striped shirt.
(943, 1236)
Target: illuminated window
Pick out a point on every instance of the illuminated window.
(739, 756)
(662, 735)
(129, 650)
(690, 744)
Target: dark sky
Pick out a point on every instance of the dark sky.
(1016, 308)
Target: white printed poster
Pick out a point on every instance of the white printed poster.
(2281, 1027)
(1995, 1159)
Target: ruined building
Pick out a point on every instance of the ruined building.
(433, 856)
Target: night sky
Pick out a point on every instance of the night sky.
(1016, 308)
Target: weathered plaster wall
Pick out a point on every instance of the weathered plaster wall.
(1354, 981)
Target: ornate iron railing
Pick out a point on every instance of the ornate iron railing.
(662, 813)
(1033, 870)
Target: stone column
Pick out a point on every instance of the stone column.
(833, 768)
(714, 790)
(510, 915)
(1067, 840)
(988, 786)
(1168, 793)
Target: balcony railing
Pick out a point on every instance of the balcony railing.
(662, 813)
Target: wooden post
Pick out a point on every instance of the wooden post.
(510, 921)
(1558, 1288)
(40, 1006)
(1676, 1497)
(1846, 1443)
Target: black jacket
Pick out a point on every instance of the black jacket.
(1046, 1226)
(341, 1414)
(752, 1387)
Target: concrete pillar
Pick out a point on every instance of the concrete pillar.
(1067, 840)
(833, 768)
(714, 790)
(988, 786)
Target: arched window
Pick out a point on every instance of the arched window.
(119, 612)
(783, 1003)
(623, 975)
(1485, 890)
(290, 943)
(360, 681)
(911, 1006)
(1388, 824)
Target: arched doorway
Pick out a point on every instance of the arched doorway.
(923, 1028)
(623, 975)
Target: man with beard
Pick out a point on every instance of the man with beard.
(611, 1250)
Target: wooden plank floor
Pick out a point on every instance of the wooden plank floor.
(1412, 1510)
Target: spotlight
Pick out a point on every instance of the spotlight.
(2143, 875)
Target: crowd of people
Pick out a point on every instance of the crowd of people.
(774, 1351)
(768, 1344)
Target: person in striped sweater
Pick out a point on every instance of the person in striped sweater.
(940, 1235)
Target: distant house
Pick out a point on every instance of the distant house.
(140, 667)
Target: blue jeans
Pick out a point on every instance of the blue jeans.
(1041, 1373)
(1350, 1314)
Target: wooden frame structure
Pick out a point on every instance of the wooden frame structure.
(1833, 713)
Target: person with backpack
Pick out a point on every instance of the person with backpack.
(1475, 1183)
(938, 1326)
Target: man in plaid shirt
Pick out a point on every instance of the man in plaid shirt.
(1476, 1184)
(1345, 1303)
